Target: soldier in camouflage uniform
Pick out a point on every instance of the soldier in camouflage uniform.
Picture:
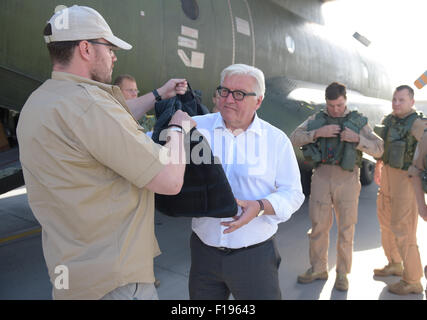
(333, 139)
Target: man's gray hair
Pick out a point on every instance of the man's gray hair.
(243, 69)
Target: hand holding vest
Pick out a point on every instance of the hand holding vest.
(332, 150)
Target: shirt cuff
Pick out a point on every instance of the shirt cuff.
(282, 211)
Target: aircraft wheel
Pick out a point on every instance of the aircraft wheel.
(306, 181)
(367, 172)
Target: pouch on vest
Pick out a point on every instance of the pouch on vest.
(348, 160)
(350, 154)
(396, 157)
(311, 153)
(379, 129)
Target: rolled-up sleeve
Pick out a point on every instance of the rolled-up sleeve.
(370, 143)
(419, 162)
(300, 136)
(288, 196)
(417, 129)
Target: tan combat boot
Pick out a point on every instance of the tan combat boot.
(403, 288)
(310, 276)
(392, 269)
(341, 282)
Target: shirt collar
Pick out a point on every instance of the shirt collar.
(254, 127)
(112, 90)
(346, 112)
(57, 75)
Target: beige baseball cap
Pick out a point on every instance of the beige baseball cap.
(81, 23)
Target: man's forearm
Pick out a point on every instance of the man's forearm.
(170, 179)
(141, 105)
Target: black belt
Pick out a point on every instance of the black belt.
(231, 250)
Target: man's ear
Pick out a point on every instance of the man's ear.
(259, 101)
(85, 50)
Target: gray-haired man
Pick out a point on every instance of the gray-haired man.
(239, 255)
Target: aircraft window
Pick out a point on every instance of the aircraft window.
(290, 44)
(190, 8)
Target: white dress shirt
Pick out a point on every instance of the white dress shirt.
(259, 163)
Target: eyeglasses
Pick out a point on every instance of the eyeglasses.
(238, 95)
(113, 48)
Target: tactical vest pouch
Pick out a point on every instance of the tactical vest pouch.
(396, 157)
(379, 129)
(349, 157)
(316, 123)
(311, 153)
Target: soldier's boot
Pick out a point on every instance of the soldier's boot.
(310, 276)
(341, 282)
(404, 288)
(392, 269)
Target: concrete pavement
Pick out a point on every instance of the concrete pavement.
(23, 273)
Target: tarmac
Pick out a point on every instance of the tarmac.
(23, 273)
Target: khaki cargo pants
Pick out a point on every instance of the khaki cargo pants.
(398, 218)
(333, 187)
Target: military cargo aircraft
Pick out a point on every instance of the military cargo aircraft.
(196, 39)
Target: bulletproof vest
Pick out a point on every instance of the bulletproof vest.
(399, 143)
(206, 191)
(332, 150)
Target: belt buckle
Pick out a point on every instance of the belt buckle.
(225, 250)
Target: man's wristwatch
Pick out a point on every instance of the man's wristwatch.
(261, 208)
(175, 127)
(156, 95)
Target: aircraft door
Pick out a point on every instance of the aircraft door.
(189, 43)
(201, 38)
(242, 30)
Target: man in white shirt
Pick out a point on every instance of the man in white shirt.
(239, 255)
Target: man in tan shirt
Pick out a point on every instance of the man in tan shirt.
(396, 203)
(90, 171)
(334, 139)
